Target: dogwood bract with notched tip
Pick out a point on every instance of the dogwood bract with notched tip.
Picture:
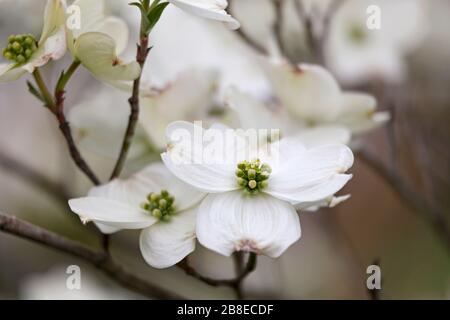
(312, 95)
(98, 43)
(250, 205)
(27, 54)
(209, 9)
(153, 200)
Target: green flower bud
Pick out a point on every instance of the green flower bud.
(163, 203)
(20, 59)
(240, 173)
(253, 176)
(20, 48)
(160, 205)
(242, 182)
(8, 55)
(157, 213)
(16, 46)
(252, 184)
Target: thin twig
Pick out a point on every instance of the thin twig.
(141, 57)
(50, 187)
(316, 41)
(431, 214)
(56, 106)
(99, 258)
(64, 126)
(246, 38)
(332, 9)
(250, 42)
(307, 21)
(278, 25)
(232, 283)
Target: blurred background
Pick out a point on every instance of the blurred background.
(399, 212)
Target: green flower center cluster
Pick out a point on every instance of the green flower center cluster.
(160, 205)
(20, 48)
(357, 34)
(253, 176)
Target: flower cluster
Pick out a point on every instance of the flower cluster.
(96, 44)
(227, 199)
(20, 48)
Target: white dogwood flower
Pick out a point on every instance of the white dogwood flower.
(356, 53)
(209, 9)
(189, 97)
(252, 196)
(312, 95)
(26, 54)
(152, 200)
(248, 113)
(98, 43)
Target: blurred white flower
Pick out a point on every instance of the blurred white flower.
(250, 113)
(204, 45)
(99, 42)
(51, 285)
(152, 200)
(27, 54)
(99, 122)
(356, 53)
(189, 98)
(210, 9)
(250, 206)
(313, 97)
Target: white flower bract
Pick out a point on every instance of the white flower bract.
(265, 221)
(118, 205)
(209, 9)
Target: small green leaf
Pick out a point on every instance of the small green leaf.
(154, 4)
(35, 92)
(155, 14)
(58, 83)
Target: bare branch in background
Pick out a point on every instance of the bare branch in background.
(332, 9)
(317, 42)
(306, 19)
(278, 24)
(52, 188)
(235, 283)
(98, 258)
(247, 38)
(434, 216)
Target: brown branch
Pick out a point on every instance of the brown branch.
(306, 19)
(50, 187)
(141, 57)
(316, 41)
(232, 283)
(64, 126)
(56, 106)
(430, 214)
(246, 38)
(332, 9)
(98, 258)
(278, 25)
